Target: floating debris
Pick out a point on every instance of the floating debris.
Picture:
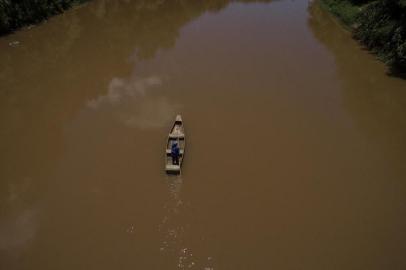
(130, 230)
(14, 43)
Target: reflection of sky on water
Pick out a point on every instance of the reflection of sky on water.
(121, 88)
(20, 226)
(134, 104)
(17, 231)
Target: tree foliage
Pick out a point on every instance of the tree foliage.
(17, 13)
(382, 28)
(380, 25)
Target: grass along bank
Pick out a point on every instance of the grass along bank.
(380, 25)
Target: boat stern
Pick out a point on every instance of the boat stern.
(172, 169)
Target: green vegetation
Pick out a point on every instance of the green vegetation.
(17, 13)
(343, 9)
(380, 25)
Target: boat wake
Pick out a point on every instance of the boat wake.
(174, 229)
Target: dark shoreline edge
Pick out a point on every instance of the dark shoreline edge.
(16, 15)
(380, 26)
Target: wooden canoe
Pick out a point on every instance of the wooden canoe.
(176, 135)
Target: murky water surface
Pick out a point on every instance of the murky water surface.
(296, 143)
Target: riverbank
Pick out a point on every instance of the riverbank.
(14, 15)
(344, 10)
(379, 25)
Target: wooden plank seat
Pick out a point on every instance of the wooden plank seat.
(170, 168)
(181, 151)
(176, 136)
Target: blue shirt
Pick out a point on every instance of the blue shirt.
(175, 150)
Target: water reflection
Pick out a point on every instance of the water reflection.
(134, 104)
(376, 104)
(19, 221)
(375, 101)
(61, 65)
(17, 231)
(64, 85)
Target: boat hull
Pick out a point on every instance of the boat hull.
(176, 135)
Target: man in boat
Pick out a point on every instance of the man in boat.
(175, 151)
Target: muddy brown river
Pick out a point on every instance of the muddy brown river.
(295, 156)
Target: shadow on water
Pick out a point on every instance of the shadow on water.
(394, 72)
